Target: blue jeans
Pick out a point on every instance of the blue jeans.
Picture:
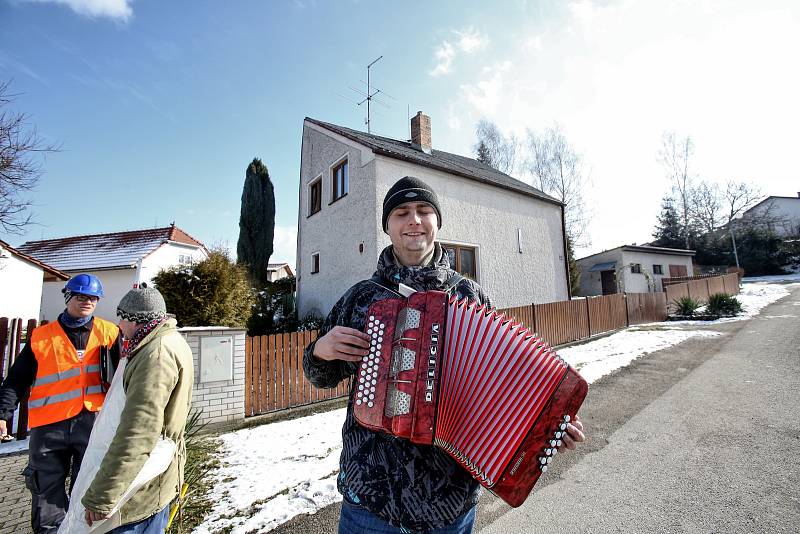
(155, 524)
(358, 520)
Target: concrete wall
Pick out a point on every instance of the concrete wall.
(20, 287)
(647, 281)
(337, 230)
(590, 282)
(220, 401)
(115, 284)
(487, 217)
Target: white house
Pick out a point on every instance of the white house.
(122, 260)
(632, 269)
(779, 214)
(503, 233)
(276, 271)
(21, 281)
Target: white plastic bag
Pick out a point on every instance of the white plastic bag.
(105, 426)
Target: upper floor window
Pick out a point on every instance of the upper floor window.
(315, 196)
(657, 269)
(462, 259)
(340, 180)
(636, 268)
(185, 259)
(315, 263)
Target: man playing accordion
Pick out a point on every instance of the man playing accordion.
(390, 484)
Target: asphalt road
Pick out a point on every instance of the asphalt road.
(701, 437)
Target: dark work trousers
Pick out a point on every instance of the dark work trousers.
(55, 452)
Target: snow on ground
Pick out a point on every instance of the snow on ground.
(274, 472)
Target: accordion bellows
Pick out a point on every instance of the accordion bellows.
(465, 378)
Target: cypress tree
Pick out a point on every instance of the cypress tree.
(256, 222)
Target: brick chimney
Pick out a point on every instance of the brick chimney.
(421, 132)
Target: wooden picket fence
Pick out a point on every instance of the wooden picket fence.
(14, 332)
(274, 378)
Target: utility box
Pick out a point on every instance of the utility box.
(216, 358)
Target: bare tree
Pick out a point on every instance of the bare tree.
(675, 155)
(21, 152)
(557, 170)
(706, 206)
(739, 197)
(495, 149)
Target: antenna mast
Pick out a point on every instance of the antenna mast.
(370, 94)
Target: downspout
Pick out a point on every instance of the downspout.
(566, 249)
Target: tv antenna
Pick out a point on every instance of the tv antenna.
(370, 95)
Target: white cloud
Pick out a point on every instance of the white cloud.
(616, 76)
(444, 55)
(114, 9)
(467, 41)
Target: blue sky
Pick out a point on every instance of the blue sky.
(160, 106)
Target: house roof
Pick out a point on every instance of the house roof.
(30, 259)
(607, 266)
(437, 159)
(276, 266)
(645, 248)
(118, 250)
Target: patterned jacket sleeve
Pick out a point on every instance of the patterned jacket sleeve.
(322, 373)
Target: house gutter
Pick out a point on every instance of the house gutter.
(566, 251)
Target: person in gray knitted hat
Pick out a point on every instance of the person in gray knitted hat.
(157, 381)
(142, 305)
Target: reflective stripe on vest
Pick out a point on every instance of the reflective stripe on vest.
(66, 384)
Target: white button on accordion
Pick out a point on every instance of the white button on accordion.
(465, 378)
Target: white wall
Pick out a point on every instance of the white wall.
(590, 282)
(638, 283)
(487, 217)
(166, 256)
(337, 230)
(20, 288)
(783, 214)
(115, 284)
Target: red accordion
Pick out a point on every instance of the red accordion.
(470, 381)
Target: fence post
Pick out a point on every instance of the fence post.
(588, 316)
(627, 311)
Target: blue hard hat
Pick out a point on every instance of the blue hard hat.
(85, 284)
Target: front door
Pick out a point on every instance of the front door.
(608, 282)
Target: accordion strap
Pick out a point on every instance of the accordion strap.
(398, 288)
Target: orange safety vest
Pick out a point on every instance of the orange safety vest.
(65, 383)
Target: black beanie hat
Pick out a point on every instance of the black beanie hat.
(409, 189)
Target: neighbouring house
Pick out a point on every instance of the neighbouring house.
(779, 214)
(632, 269)
(122, 260)
(21, 281)
(276, 271)
(502, 232)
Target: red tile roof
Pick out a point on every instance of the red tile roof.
(46, 268)
(105, 251)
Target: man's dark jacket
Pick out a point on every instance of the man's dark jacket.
(411, 486)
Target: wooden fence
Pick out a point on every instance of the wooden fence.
(12, 334)
(274, 364)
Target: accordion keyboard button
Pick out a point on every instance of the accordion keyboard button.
(542, 460)
(543, 468)
(567, 418)
(370, 404)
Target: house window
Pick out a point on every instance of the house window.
(315, 196)
(657, 269)
(315, 263)
(340, 180)
(636, 268)
(462, 260)
(185, 259)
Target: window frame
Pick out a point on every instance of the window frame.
(315, 183)
(315, 263)
(458, 247)
(636, 268)
(343, 162)
(660, 270)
